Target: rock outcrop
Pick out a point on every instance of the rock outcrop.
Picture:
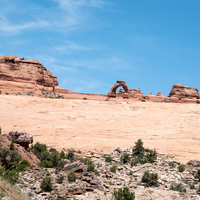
(112, 92)
(181, 93)
(156, 98)
(22, 75)
(24, 139)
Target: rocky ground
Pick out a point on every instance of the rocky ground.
(101, 183)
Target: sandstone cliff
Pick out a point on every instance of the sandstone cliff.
(22, 75)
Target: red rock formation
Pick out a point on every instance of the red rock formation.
(112, 92)
(136, 94)
(158, 97)
(22, 75)
(183, 94)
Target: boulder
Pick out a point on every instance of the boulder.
(180, 93)
(24, 139)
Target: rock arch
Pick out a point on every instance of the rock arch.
(112, 92)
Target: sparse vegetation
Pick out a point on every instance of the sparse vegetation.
(46, 184)
(60, 179)
(85, 98)
(11, 146)
(179, 187)
(71, 177)
(108, 159)
(197, 101)
(172, 165)
(113, 168)
(0, 130)
(181, 168)
(150, 179)
(197, 175)
(90, 167)
(124, 194)
(125, 158)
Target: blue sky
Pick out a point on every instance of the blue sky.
(90, 44)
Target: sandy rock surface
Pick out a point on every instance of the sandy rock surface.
(102, 125)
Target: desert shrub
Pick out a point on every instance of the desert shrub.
(197, 101)
(171, 164)
(125, 158)
(138, 148)
(108, 159)
(0, 129)
(11, 176)
(143, 100)
(113, 168)
(97, 172)
(90, 167)
(150, 179)
(124, 194)
(85, 98)
(62, 154)
(60, 179)
(70, 155)
(0, 91)
(79, 151)
(197, 175)
(71, 177)
(86, 161)
(192, 186)
(179, 187)
(11, 146)
(181, 168)
(38, 149)
(46, 163)
(23, 165)
(46, 184)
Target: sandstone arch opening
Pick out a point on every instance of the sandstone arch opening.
(112, 92)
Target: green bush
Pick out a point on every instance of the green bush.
(108, 159)
(150, 179)
(0, 129)
(23, 165)
(0, 91)
(179, 187)
(125, 158)
(85, 98)
(172, 165)
(71, 177)
(86, 161)
(46, 184)
(38, 149)
(46, 164)
(138, 148)
(60, 179)
(62, 154)
(181, 168)
(90, 168)
(113, 168)
(124, 194)
(197, 175)
(11, 146)
(197, 101)
(70, 155)
(11, 176)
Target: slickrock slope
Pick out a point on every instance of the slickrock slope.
(171, 128)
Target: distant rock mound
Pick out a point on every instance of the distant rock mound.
(181, 93)
(23, 75)
(158, 97)
(24, 139)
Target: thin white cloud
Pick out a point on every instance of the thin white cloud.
(7, 26)
(69, 47)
